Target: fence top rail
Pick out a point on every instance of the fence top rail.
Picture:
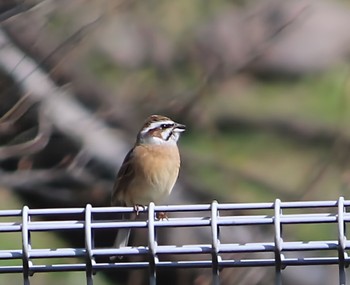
(179, 208)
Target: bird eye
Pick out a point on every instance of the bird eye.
(165, 126)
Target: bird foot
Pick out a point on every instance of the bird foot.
(162, 216)
(137, 208)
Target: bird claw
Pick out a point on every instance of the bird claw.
(159, 215)
(137, 208)
(162, 216)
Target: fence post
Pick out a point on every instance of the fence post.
(215, 243)
(341, 242)
(152, 244)
(25, 245)
(90, 261)
(278, 242)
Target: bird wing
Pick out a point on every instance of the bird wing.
(124, 176)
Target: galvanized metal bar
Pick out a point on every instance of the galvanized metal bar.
(179, 208)
(341, 242)
(215, 243)
(278, 242)
(25, 246)
(178, 222)
(152, 245)
(90, 261)
(331, 212)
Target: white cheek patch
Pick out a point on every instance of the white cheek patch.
(159, 141)
(175, 136)
(166, 134)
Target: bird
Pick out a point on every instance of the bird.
(149, 170)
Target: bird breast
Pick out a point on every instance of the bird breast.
(156, 171)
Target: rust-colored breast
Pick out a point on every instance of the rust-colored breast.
(156, 171)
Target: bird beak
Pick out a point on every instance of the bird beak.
(179, 128)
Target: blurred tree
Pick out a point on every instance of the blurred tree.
(78, 78)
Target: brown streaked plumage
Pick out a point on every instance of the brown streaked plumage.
(150, 169)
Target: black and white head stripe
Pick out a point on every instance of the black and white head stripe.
(162, 125)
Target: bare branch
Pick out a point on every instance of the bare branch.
(32, 146)
(16, 112)
(16, 8)
(60, 107)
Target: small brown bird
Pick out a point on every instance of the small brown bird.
(150, 169)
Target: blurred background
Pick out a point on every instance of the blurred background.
(263, 87)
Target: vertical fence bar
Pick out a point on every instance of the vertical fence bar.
(25, 245)
(215, 243)
(152, 245)
(90, 261)
(278, 242)
(341, 241)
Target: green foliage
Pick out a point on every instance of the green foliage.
(261, 165)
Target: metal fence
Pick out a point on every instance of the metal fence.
(214, 216)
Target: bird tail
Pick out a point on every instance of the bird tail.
(123, 234)
(122, 238)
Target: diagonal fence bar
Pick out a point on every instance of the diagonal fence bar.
(218, 254)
